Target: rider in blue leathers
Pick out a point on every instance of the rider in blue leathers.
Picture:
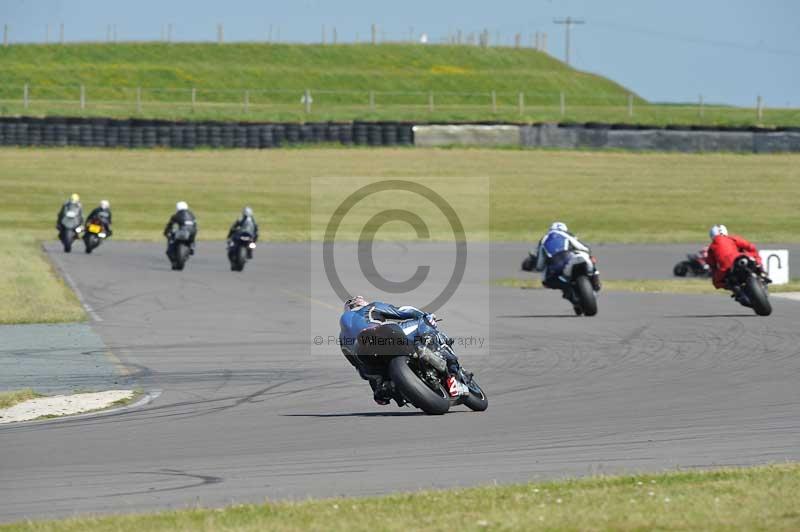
(360, 315)
(554, 254)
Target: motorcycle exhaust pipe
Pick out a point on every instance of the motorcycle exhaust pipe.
(432, 359)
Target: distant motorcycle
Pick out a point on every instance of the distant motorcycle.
(749, 284)
(70, 229)
(179, 246)
(418, 374)
(695, 264)
(240, 250)
(94, 234)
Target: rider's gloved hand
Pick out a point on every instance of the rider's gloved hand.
(430, 319)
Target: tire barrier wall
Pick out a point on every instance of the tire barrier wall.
(108, 133)
(752, 140)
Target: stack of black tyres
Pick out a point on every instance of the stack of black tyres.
(278, 135)
(228, 132)
(359, 133)
(292, 133)
(405, 133)
(124, 128)
(201, 134)
(35, 133)
(215, 135)
(389, 133)
(265, 139)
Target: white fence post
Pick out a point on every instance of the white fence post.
(701, 106)
(563, 104)
(25, 96)
(246, 102)
(494, 102)
(83, 97)
(5, 34)
(630, 105)
(194, 98)
(759, 108)
(138, 99)
(371, 100)
(521, 103)
(307, 100)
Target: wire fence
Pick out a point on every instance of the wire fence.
(313, 103)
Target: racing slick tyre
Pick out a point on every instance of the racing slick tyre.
(66, 239)
(435, 402)
(585, 293)
(758, 296)
(238, 259)
(476, 400)
(181, 254)
(681, 269)
(528, 264)
(91, 243)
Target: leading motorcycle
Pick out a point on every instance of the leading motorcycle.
(418, 373)
(749, 282)
(70, 229)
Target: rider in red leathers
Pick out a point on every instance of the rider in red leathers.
(724, 250)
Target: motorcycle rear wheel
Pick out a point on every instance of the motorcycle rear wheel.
(758, 296)
(415, 391)
(585, 293)
(181, 254)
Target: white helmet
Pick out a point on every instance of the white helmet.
(355, 303)
(717, 230)
(559, 226)
(104, 204)
(247, 211)
(181, 206)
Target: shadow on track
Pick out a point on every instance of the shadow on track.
(520, 316)
(702, 316)
(367, 414)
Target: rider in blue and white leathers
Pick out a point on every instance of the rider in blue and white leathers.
(360, 315)
(555, 252)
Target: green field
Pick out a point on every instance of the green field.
(340, 78)
(759, 498)
(605, 197)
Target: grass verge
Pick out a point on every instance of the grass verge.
(30, 291)
(670, 286)
(11, 398)
(763, 498)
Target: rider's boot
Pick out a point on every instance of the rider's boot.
(381, 392)
(596, 285)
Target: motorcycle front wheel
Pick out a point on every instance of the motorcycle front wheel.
(476, 400)
(419, 394)
(681, 269)
(67, 235)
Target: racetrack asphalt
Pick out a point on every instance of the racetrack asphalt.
(655, 381)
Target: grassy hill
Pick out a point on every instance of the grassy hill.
(266, 82)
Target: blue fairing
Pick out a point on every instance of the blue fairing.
(352, 323)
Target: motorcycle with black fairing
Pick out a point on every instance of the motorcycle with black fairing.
(179, 245)
(749, 282)
(240, 250)
(425, 372)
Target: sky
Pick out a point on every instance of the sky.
(728, 51)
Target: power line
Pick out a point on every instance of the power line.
(568, 22)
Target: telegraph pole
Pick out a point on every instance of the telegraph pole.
(568, 22)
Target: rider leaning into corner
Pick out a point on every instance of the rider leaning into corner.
(722, 253)
(102, 213)
(245, 224)
(553, 256)
(183, 217)
(360, 315)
